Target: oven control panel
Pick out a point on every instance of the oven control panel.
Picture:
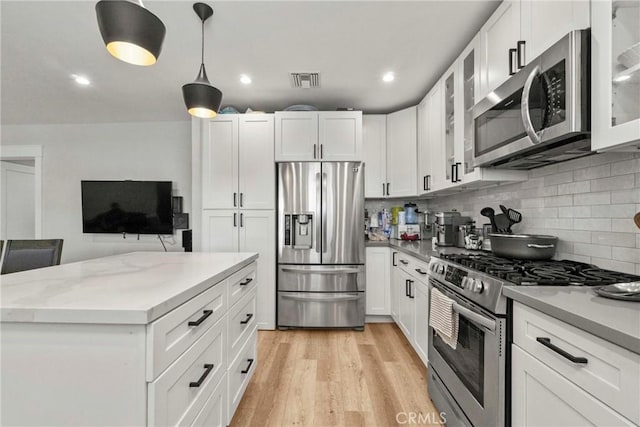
(455, 276)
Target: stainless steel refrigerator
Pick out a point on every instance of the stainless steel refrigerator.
(321, 276)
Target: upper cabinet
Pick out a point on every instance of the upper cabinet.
(615, 81)
(237, 164)
(520, 30)
(313, 135)
(401, 153)
(374, 139)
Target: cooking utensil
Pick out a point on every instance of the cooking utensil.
(636, 219)
(623, 291)
(490, 213)
(513, 216)
(503, 225)
(523, 246)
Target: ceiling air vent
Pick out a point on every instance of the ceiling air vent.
(305, 80)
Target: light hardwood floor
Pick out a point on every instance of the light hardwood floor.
(336, 378)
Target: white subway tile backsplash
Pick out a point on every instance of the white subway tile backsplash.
(614, 239)
(588, 203)
(621, 182)
(586, 249)
(591, 199)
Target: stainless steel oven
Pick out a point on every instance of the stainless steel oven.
(468, 383)
(541, 115)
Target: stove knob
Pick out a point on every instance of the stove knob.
(441, 268)
(465, 282)
(478, 286)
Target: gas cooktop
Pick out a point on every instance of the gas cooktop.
(539, 273)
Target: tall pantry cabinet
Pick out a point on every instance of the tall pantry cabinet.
(233, 155)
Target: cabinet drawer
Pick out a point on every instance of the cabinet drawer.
(610, 373)
(180, 392)
(169, 336)
(240, 372)
(214, 412)
(242, 320)
(241, 283)
(416, 268)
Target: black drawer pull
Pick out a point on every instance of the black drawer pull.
(246, 371)
(411, 295)
(404, 262)
(421, 272)
(207, 370)
(547, 343)
(205, 314)
(245, 321)
(246, 282)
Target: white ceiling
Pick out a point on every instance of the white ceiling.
(350, 43)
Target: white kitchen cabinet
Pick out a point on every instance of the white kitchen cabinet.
(313, 135)
(520, 30)
(406, 298)
(421, 328)
(237, 162)
(374, 141)
(247, 231)
(402, 167)
(396, 287)
(378, 276)
(542, 397)
(615, 80)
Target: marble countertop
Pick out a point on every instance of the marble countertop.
(612, 320)
(421, 249)
(133, 288)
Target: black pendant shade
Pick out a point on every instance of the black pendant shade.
(130, 32)
(202, 99)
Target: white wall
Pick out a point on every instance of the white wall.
(114, 151)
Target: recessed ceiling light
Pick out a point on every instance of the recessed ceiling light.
(81, 80)
(622, 78)
(388, 77)
(244, 79)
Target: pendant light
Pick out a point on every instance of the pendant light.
(202, 99)
(130, 31)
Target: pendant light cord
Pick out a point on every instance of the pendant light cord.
(202, 51)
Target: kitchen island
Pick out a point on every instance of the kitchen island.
(142, 338)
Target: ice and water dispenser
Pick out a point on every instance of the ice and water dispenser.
(298, 230)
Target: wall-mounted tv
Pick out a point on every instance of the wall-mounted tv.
(136, 207)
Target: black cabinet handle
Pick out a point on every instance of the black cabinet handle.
(235, 200)
(512, 53)
(404, 262)
(406, 288)
(411, 295)
(241, 220)
(520, 49)
(246, 282)
(205, 314)
(245, 321)
(547, 343)
(393, 259)
(428, 182)
(424, 183)
(207, 370)
(388, 189)
(457, 173)
(314, 151)
(322, 151)
(235, 219)
(241, 197)
(453, 172)
(246, 371)
(420, 271)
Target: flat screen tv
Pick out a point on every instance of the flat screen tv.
(136, 207)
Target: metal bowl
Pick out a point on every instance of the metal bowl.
(523, 246)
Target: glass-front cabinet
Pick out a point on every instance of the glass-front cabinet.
(616, 74)
(449, 126)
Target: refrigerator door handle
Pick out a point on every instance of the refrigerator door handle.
(333, 271)
(324, 212)
(331, 298)
(318, 210)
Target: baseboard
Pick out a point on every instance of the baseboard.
(266, 326)
(378, 319)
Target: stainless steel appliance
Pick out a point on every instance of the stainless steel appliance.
(321, 280)
(447, 227)
(541, 115)
(469, 383)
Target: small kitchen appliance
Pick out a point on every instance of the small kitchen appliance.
(411, 213)
(447, 227)
(409, 229)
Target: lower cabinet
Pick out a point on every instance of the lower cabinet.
(378, 292)
(421, 328)
(395, 286)
(407, 307)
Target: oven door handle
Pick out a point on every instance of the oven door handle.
(489, 324)
(524, 106)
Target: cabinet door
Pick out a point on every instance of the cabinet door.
(378, 278)
(615, 82)
(424, 149)
(258, 234)
(340, 135)
(468, 82)
(500, 33)
(374, 140)
(542, 397)
(220, 230)
(397, 288)
(406, 306)
(402, 165)
(257, 177)
(544, 22)
(296, 137)
(451, 98)
(436, 138)
(421, 337)
(220, 163)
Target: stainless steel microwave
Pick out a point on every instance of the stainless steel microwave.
(541, 115)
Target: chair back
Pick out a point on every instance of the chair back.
(22, 255)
